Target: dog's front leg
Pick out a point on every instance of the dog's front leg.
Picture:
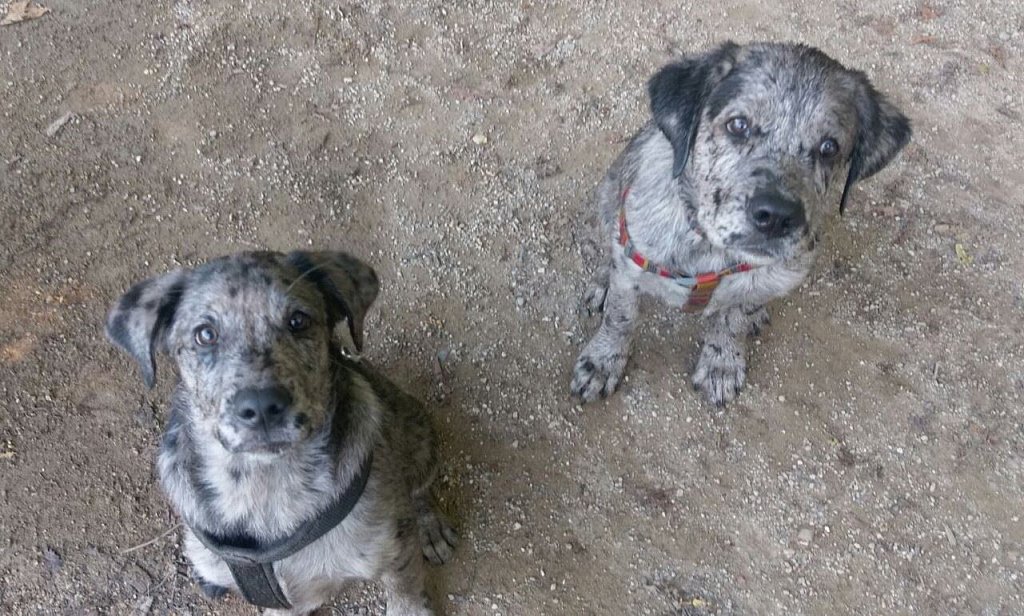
(600, 366)
(722, 367)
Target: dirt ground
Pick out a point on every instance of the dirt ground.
(873, 465)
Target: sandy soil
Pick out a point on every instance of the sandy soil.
(873, 465)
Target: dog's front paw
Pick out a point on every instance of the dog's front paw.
(597, 376)
(438, 537)
(721, 372)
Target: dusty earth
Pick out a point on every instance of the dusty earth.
(873, 465)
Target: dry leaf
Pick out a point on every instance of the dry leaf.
(929, 12)
(22, 10)
(998, 53)
(14, 352)
(961, 254)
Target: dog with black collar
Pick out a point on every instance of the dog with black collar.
(294, 465)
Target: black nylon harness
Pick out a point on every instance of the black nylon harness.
(252, 564)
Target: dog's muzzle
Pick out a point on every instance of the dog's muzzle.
(773, 215)
(265, 406)
(262, 419)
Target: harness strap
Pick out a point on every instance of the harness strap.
(702, 286)
(252, 564)
(258, 584)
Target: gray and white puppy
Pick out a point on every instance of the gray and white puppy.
(272, 420)
(748, 150)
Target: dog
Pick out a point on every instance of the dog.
(294, 465)
(716, 204)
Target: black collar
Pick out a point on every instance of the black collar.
(252, 564)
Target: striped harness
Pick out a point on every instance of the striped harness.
(702, 286)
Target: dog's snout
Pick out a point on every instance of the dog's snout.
(774, 215)
(260, 406)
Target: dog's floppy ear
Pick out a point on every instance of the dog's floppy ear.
(679, 92)
(347, 284)
(139, 321)
(882, 131)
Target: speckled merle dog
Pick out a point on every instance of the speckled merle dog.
(272, 419)
(717, 203)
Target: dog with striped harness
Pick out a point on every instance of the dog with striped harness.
(716, 205)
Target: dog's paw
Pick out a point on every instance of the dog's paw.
(721, 372)
(438, 537)
(210, 590)
(759, 319)
(592, 301)
(597, 376)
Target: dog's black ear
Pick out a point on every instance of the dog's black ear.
(348, 285)
(882, 131)
(679, 92)
(139, 321)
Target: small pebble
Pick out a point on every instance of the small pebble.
(805, 536)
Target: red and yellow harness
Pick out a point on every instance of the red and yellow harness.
(702, 286)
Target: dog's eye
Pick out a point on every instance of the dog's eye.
(299, 321)
(206, 335)
(828, 148)
(738, 127)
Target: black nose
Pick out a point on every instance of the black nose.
(256, 406)
(775, 215)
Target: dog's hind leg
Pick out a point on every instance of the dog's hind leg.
(437, 535)
(759, 319)
(597, 292)
(405, 584)
(419, 440)
(415, 439)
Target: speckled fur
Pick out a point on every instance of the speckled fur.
(215, 483)
(689, 184)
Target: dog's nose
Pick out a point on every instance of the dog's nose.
(256, 406)
(775, 215)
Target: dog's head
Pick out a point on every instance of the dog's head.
(253, 338)
(767, 135)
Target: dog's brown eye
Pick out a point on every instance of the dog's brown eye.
(299, 321)
(738, 126)
(206, 335)
(828, 148)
